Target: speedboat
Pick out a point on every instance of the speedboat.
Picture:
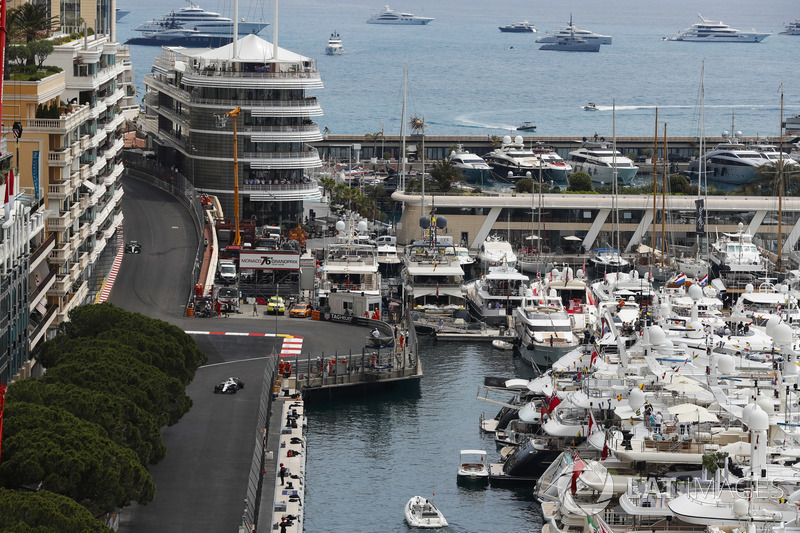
(474, 169)
(793, 28)
(519, 27)
(512, 159)
(390, 16)
(709, 31)
(198, 24)
(422, 513)
(472, 465)
(334, 47)
(598, 159)
(571, 29)
(571, 43)
(526, 126)
(591, 106)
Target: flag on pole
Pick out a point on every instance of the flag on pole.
(591, 423)
(577, 467)
(594, 358)
(9, 199)
(703, 281)
(553, 402)
(681, 279)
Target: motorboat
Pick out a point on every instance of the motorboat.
(350, 264)
(737, 253)
(334, 47)
(390, 16)
(730, 164)
(709, 31)
(502, 345)
(604, 260)
(496, 251)
(473, 167)
(519, 27)
(571, 29)
(422, 513)
(543, 327)
(793, 28)
(571, 43)
(591, 106)
(526, 126)
(792, 126)
(554, 168)
(493, 297)
(512, 160)
(472, 465)
(464, 257)
(599, 160)
(198, 26)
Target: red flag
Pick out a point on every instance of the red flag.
(577, 467)
(604, 453)
(591, 423)
(594, 358)
(553, 403)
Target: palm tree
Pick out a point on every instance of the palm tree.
(769, 174)
(374, 137)
(327, 185)
(29, 21)
(445, 173)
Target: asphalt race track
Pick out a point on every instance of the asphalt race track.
(201, 484)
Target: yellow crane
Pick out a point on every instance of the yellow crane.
(221, 122)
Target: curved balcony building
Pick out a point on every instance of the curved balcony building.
(188, 94)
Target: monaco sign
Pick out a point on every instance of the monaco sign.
(273, 260)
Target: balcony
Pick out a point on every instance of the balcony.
(59, 191)
(75, 272)
(43, 251)
(59, 158)
(61, 287)
(38, 292)
(84, 201)
(63, 124)
(75, 242)
(84, 231)
(60, 222)
(75, 210)
(84, 260)
(58, 256)
(86, 143)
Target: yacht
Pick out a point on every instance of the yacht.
(192, 25)
(731, 163)
(591, 106)
(390, 16)
(554, 168)
(334, 47)
(597, 158)
(793, 28)
(792, 125)
(493, 297)
(571, 29)
(571, 43)
(736, 253)
(512, 159)
(496, 251)
(543, 327)
(474, 169)
(350, 264)
(519, 27)
(709, 31)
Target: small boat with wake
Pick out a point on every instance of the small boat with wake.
(421, 513)
(527, 126)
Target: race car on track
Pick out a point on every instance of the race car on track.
(133, 247)
(230, 386)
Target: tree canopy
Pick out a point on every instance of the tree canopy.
(580, 182)
(45, 512)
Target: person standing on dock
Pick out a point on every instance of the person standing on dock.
(282, 473)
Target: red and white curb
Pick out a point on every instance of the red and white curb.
(112, 275)
(291, 347)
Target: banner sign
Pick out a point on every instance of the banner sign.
(272, 260)
(701, 217)
(35, 172)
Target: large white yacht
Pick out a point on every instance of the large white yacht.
(731, 163)
(793, 28)
(192, 25)
(512, 159)
(709, 31)
(474, 169)
(496, 251)
(736, 253)
(334, 46)
(554, 168)
(571, 29)
(349, 265)
(543, 327)
(493, 297)
(390, 16)
(597, 158)
(571, 43)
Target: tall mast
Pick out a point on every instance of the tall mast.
(664, 197)
(780, 192)
(615, 234)
(403, 133)
(702, 185)
(655, 188)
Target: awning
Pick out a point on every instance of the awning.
(89, 185)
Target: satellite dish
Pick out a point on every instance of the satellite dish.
(507, 139)
(362, 226)
(340, 225)
(518, 139)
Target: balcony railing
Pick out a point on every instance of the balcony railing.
(61, 287)
(59, 158)
(59, 191)
(60, 222)
(61, 254)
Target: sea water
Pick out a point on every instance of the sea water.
(465, 77)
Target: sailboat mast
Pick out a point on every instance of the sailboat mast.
(702, 185)
(615, 234)
(664, 198)
(403, 133)
(780, 192)
(655, 188)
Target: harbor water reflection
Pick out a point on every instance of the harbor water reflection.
(368, 456)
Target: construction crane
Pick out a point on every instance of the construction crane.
(222, 121)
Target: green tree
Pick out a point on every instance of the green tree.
(374, 137)
(445, 173)
(580, 182)
(327, 185)
(524, 185)
(19, 55)
(768, 177)
(48, 448)
(40, 50)
(29, 21)
(122, 421)
(678, 184)
(45, 512)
